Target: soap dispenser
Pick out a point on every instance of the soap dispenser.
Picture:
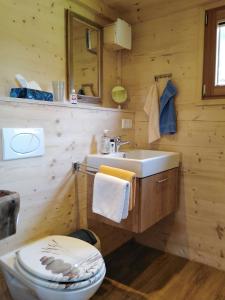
(105, 142)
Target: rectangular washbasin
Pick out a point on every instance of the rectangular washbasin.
(143, 162)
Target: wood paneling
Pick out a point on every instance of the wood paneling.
(166, 40)
(171, 44)
(136, 11)
(46, 184)
(33, 43)
(98, 8)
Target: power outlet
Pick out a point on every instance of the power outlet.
(127, 123)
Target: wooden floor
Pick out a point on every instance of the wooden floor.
(137, 272)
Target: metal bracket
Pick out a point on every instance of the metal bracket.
(76, 166)
(157, 77)
(206, 19)
(204, 89)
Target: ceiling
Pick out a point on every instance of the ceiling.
(129, 5)
(140, 10)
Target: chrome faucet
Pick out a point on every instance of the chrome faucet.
(119, 142)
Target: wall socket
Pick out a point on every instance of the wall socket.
(127, 123)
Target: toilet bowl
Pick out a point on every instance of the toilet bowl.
(55, 267)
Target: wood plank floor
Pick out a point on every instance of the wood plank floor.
(155, 275)
(136, 272)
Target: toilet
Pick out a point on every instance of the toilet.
(54, 268)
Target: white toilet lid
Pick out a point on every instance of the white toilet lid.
(61, 285)
(60, 259)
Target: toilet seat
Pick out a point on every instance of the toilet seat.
(60, 262)
(60, 285)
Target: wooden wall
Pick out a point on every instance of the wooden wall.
(171, 43)
(33, 42)
(46, 184)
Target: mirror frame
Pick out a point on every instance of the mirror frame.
(69, 16)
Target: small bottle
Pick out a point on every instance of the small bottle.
(112, 146)
(73, 97)
(105, 142)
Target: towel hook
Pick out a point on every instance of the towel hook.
(168, 75)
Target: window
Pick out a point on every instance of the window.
(214, 54)
(220, 55)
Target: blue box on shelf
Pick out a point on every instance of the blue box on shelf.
(26, 93)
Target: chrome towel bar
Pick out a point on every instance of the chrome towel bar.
(77, 168)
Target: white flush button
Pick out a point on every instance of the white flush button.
(22, 142)
(25, 143)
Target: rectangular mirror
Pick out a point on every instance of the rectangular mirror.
(84, 58)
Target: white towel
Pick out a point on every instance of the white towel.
(111, 197)
(151, 108)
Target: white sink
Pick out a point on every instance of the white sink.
(143, 162)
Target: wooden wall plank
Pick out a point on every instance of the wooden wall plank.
(46, 184)
(33, 43)
(170, 44)
(99, 8)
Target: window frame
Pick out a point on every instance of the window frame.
(209, 90)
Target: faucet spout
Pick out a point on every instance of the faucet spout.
(119, 143)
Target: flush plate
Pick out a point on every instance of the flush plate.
(22, 142)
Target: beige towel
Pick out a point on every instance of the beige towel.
(111, 197)
(151, 108)
(125, 175)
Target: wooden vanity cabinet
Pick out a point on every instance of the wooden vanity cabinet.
(156, 197)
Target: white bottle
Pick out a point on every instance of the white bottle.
(105, 142)
(73, 97)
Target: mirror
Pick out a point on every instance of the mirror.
(84, 58)
(119, 95)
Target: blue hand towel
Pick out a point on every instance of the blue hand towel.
(168, 124)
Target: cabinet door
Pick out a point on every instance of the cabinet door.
(158, 197)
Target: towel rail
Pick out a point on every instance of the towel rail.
(76, 168)
(168, 75)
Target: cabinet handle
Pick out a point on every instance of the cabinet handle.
(162, 180)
